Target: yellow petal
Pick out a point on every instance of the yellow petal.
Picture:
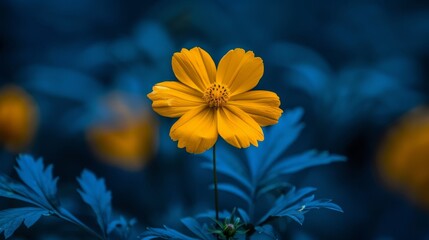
(173, 99)
(194, 67)
(240, 70)
(263, 106)
(238, 128)
(196, 130)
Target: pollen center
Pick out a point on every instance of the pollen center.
(216, 95)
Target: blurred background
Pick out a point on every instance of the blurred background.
(74, 76)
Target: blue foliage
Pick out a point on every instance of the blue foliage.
(195, 227)
(198, 227)
(39, 180)
(95, 194)
(261, 172)
(39, 188)
(11, 219)
(257, 176)
(295, 204)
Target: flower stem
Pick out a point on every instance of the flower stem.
(215, 183)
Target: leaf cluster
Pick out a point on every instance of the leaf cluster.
(38, 188)
(259, 177)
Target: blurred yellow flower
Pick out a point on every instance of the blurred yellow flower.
(212, 102)
(18, 118)
(403, 158)
(127, 139)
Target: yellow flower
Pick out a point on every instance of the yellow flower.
(18, 118)
(127, 139)
(403, 158)
(212, 102)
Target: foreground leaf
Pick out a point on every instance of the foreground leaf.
(95, 194)
(40, 181)
(295, 204)
(11, 219)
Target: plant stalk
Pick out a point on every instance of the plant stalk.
(80, 224)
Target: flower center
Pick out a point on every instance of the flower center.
(216, 95)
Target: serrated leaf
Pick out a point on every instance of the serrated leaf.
(38, 179)
(11, 219)
(295, 204)
(39, 189)
(262, 171)
(11, 189)
(95, 194)
(285, 201)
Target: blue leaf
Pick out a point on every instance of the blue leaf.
(291, 165)
(11, 189)
(294, 215)
(230, 165)
(42, 185)
(259, 160)
(229, 171)
(267, 232)
(302, 161)
(201, 232)
(278, 139)
(11, 219)
(259, 174)
(164, 233)
(95, 194)
(285, 201)
(295, 204)
(226, 187)
(196, 228)
(271, 186)
(324, 203)
(39, 189)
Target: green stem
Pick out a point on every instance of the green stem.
(215, 183)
